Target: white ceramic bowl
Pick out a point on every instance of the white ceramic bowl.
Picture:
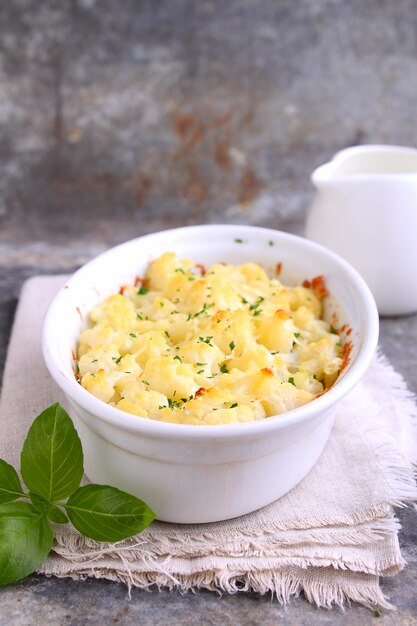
(192, 474)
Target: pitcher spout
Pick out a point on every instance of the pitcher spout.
(370, 160)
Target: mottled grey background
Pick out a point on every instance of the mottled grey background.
(120, 117)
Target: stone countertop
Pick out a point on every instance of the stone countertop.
(39, 600)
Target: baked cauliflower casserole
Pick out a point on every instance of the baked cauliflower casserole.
(190, 346)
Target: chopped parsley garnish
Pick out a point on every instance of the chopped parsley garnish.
(145, 382)
(178, 358)
(257, 312)
(223, 368)
(94, 361)
(238, 240)
(234, 405)
(206, 340)
(296, 335)
(200, 364)
(206, 305)
(291, 380)
(200, 372)
(191, 277)
(256, 304)
(175, 404)
(244, 301)
(179, 269)
(232, 345)
(161, 303)
(133, 335)
(166, 333)
(142, 291)
(117, 359)
(270, 243)
(139, 316)
(333, 330)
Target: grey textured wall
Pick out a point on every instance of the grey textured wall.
(119, 118)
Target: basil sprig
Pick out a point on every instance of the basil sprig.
(52, 468)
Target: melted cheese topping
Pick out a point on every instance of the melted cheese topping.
(217, 347)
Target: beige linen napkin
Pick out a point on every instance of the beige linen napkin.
(331, 537)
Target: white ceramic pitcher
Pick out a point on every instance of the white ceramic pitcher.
(365, 209)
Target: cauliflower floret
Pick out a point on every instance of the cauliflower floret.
(99, 385)
(170, 377)
(100, 358)
(116, 311)
(204, 357)
(148, 346)
(304, 296)
(279, 397)
(164, 269)
(138, 400)
(276, 332)
(232, 331)
(319, 358)
(255, 356)
(99, 335)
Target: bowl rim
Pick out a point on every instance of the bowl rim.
(158, 429)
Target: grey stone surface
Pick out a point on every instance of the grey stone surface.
(165, 113)
(120, 118)
(37, 601)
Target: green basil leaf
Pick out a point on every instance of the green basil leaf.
(106, 513)
(10, 487)
(26, 538)
(56, 515)
(39, 503)
(52, 456)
